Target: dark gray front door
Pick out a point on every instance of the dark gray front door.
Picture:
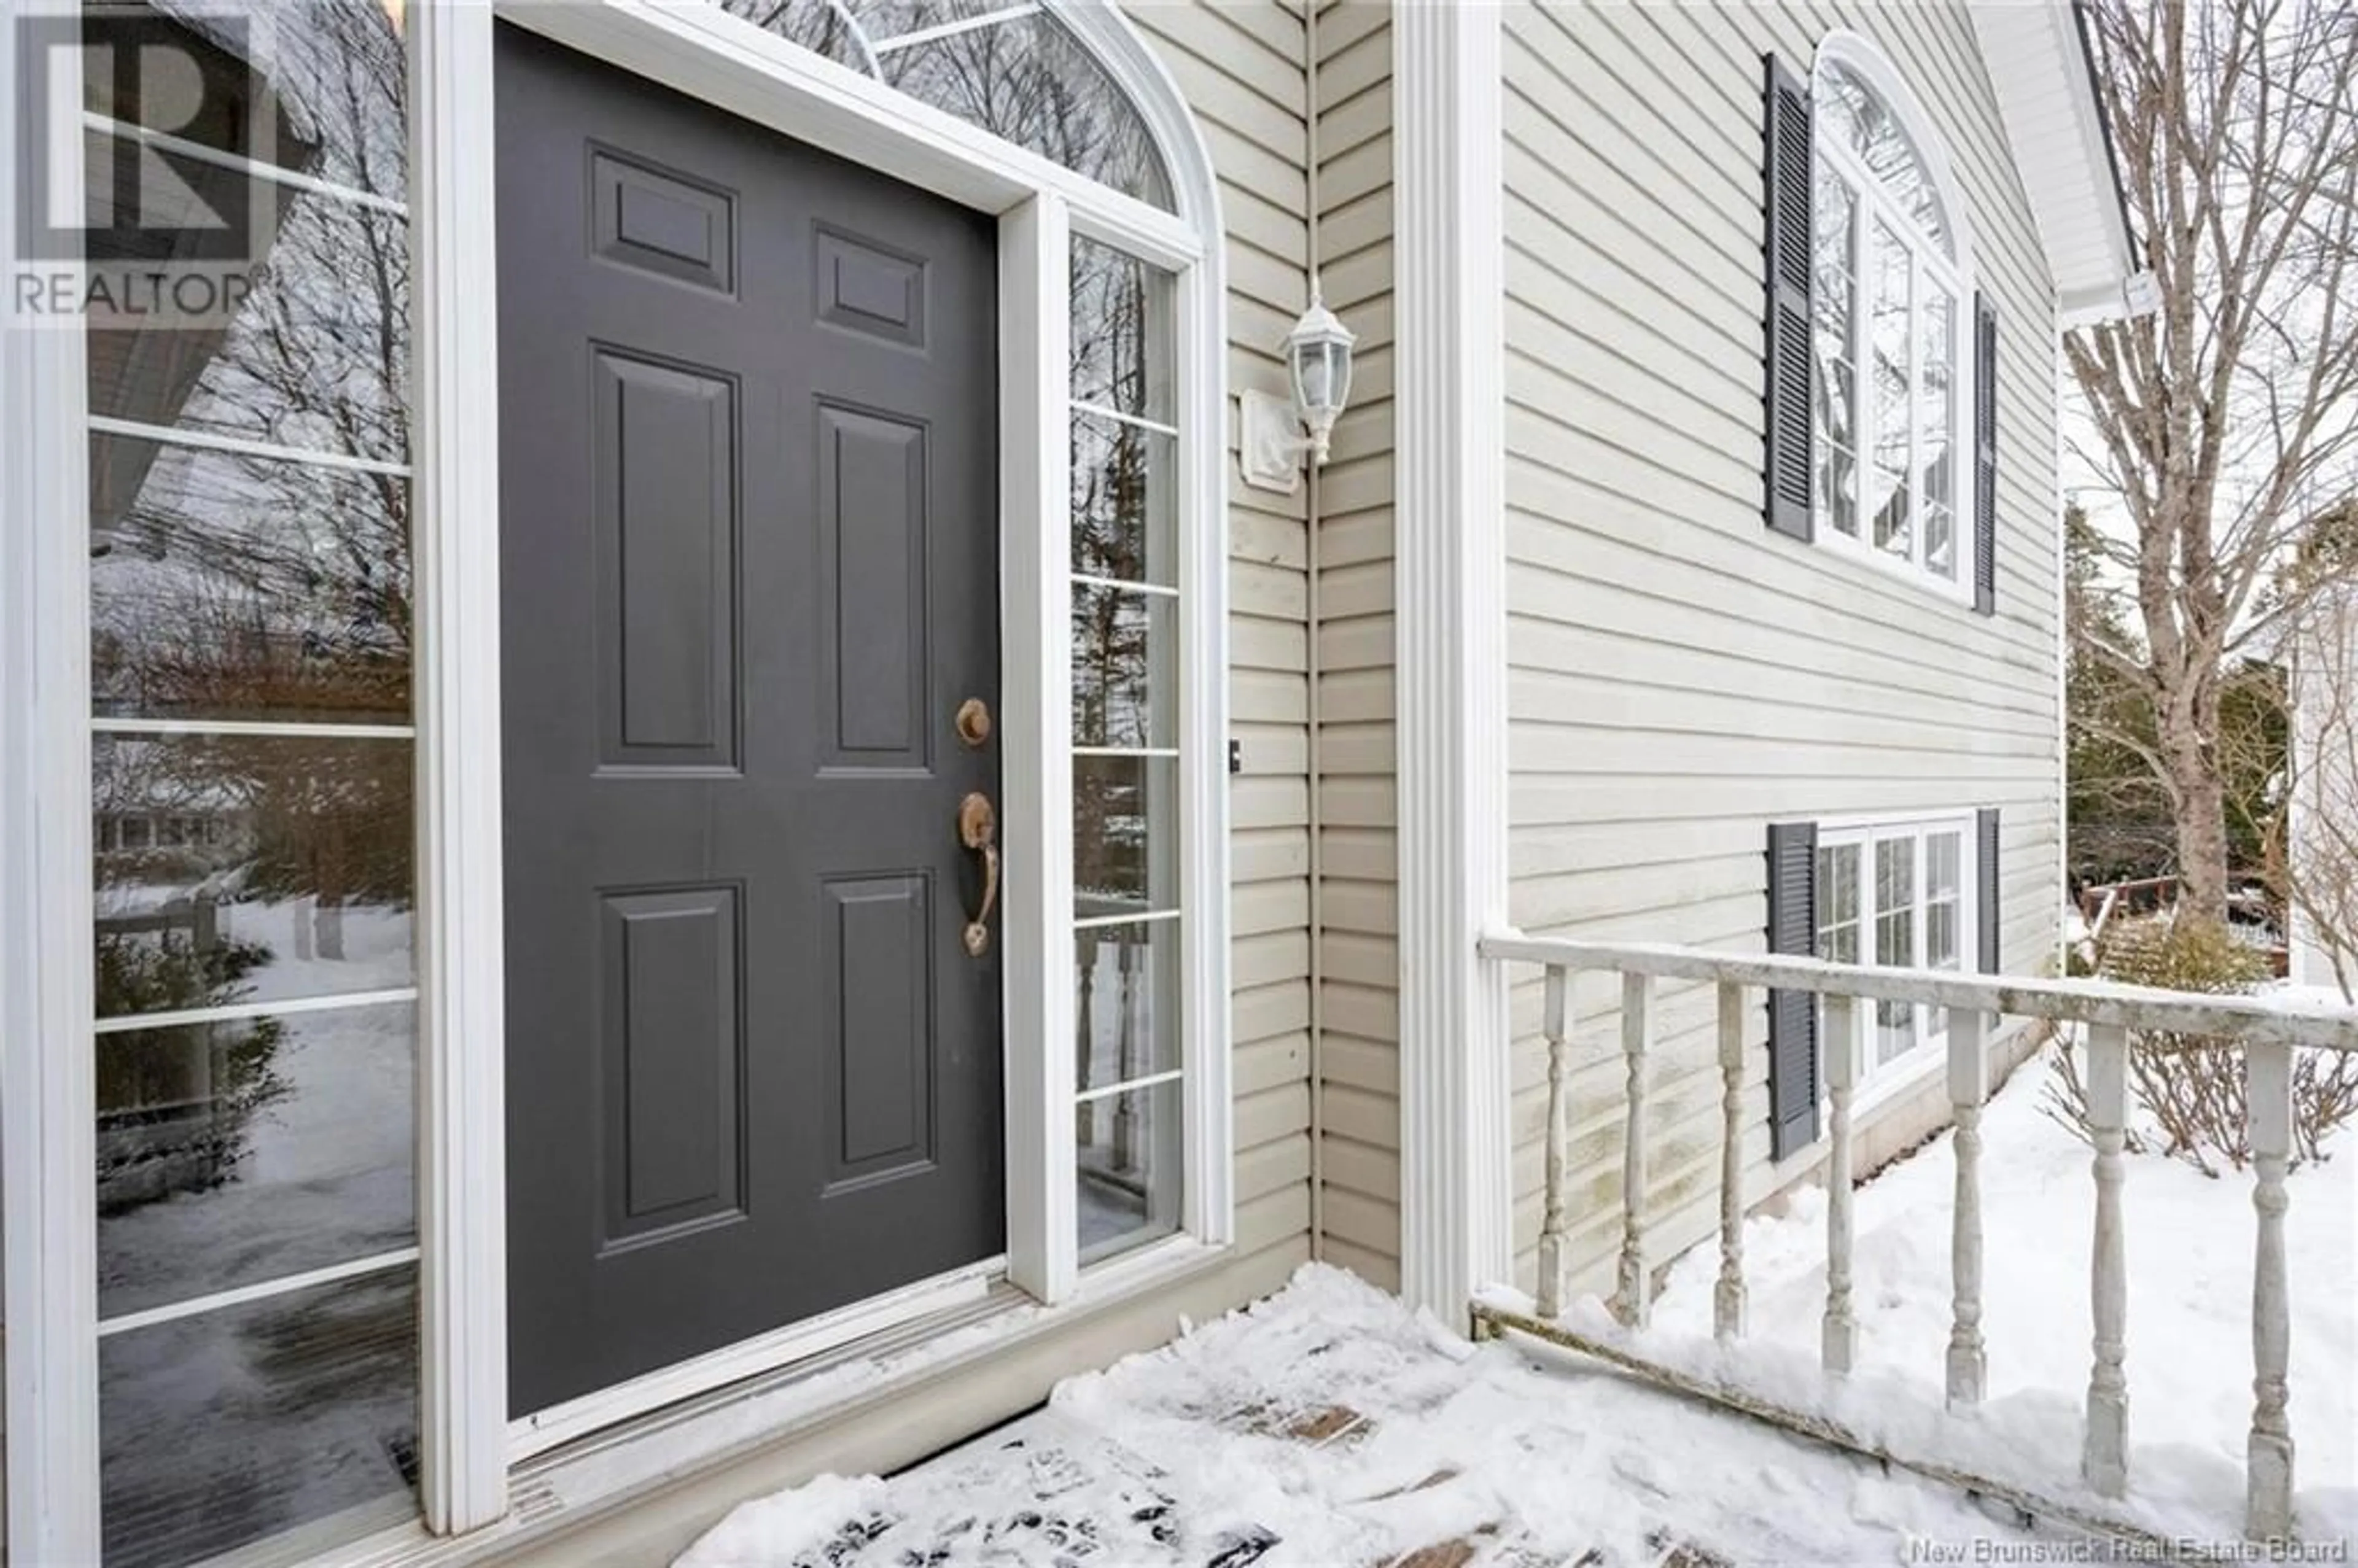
(748, 555)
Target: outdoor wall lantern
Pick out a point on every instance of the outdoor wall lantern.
(1275, 437)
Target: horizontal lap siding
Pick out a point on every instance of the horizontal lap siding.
(1680, 677)
(1358, 972)
(1242, 68)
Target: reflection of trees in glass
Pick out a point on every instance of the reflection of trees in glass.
(1850, 113)
(1025, 78)
(235, 586)
(1112, 351)
(176, 1105)
(241, 587)
(1834, 302)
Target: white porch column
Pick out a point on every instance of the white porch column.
(1457, 1206)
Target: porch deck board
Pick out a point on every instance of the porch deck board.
(1331, 1427)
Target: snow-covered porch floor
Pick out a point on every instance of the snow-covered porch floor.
(1330, 1426)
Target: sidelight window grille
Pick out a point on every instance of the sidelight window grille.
(252, 754)
(1126, 758)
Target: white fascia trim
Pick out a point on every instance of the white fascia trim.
(2095, 139)
(2035, 51)
(1457, 1210)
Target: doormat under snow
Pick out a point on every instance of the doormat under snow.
(1329, 1426)
(1046, 1491)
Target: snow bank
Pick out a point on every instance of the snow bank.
(2189, 1242)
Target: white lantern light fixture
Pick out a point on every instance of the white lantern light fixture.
(1275, 437)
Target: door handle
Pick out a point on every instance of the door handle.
(978, 830)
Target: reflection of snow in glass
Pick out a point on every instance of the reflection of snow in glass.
(323, 1172)
(269, 586)
(236, 1424)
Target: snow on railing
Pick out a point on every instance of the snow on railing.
(2270, 1031)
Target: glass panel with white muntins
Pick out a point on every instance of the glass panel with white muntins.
(1011, 69)
(252, 785)
(1896, 894)
(1127, 1105)
(1885, 251)
(1836, 299)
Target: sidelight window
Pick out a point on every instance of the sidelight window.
(252, 762)
(1886, 290)
(1126, 759)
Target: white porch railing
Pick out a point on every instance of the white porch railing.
(2270, 1032)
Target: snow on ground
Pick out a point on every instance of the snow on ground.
(1330, 1426)
(2189, 1241)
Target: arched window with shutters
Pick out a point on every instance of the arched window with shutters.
(1891, 266)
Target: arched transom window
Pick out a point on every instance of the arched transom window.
(1890, 259)
(1011, 69)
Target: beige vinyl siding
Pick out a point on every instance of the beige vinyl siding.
(1240, 65)
(1359, 982)
(1681, 676)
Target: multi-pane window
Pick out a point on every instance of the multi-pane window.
(1896, 895)
(254, 1037)
(1126, 759)
(1887, 297)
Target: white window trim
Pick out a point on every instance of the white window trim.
(1879, 1084)
(46, 1078)
(1860, 55)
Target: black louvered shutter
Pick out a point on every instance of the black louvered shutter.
(1792, 1015)
(1984, 455)
(1986, 897)
(1785, 265)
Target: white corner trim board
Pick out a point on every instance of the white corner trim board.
(47, 1139)
(1456, 1216)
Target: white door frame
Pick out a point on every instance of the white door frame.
(46, 1080)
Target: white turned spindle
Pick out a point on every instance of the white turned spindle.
(2105, 1453)
(1968, 1087)
(1556, 1259)
(2268, 1090)
(1727, 1296)
(1839, 1338)
(1630, 1303)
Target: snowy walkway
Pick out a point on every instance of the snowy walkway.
(1330, 1427)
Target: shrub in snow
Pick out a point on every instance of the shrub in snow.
(2190, 1088)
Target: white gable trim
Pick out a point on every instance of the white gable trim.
(2044, 77)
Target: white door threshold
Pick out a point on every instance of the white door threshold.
(790, 1347)
(612, 1469)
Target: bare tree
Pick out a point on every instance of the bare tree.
(2220, 418)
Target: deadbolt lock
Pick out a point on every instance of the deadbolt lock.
(974, 721)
